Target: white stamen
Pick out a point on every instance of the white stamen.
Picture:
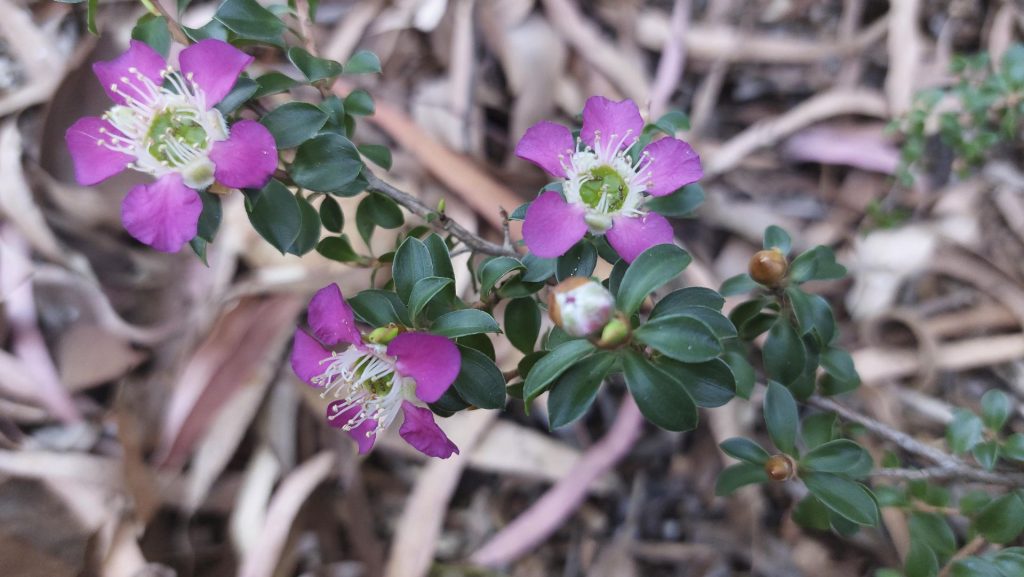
(366, 379)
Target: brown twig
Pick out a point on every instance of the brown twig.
(172, 24)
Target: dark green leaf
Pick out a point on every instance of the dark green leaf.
(463, 323)
(818, 429)
(784, 354)
(337, 249)
(331, 216)
(987, 454)
(360, 103)
(688, 297)
(921, 560)
(250, 20)
(378, 154)
(273, 83)
(543, 374)
(580, 260)
(1014, 447)
(313, 67)
(932, 530)
(776, 237)
(480, 382)
(1002, 520)
(294, 123)
(819, 263)
(781, 417)
(710, 384)
(659, 396)
(672, 122)
(649, 271)
(209, 219)
(377, 210)
(363, 62)
(678, 204)
(439, 256)
(576, 389)
(276, 216)
(681, 338)
(326, 163)
(839, 456)
(848, 499)
(715, 320)
(964, 432)
(522, 323)
(742, 373)
(738, 285)
(976, 567)
(309, 229)
(379, 308)
(812, 514)
(494, 269)
(240, 93)
(538, 269)
(152, 30)
(745, 450)
(412, 263)
(838, 364)
(813, 315)
(995, 409)
(423, 292)
(737, 476)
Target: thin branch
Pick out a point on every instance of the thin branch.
(947, 466)
(172, 24)
(439, 221)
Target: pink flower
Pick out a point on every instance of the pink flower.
(604, 188)
(163, 123)
(371, 381)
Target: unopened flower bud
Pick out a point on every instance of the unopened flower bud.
(769, 267)
(580, 306)
(383, 335)
(780, 468)
(614, 333)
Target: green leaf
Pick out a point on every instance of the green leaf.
(838, 364)
(671, 122)
(360, 103)
(273, 83)
(423, 292)
(538, 269)
(574, 392)
(326, 163)
(331, 216)
(681, 338)
(152, 30)
(309, 229)
(710, 384)
(337, 248)
(784, 354)
(580, 260)
(379, 308)
(737, 476)
(819, 263)
(776, 237)
(818, 429)
(1002, 520)
(276, 216)
(209, 219)
(378, 154)
(839, 456)
(715, 320)
(412, 263)
(848, 499)
(781, 417)
(1014, 447)
(921, 561)
(995, 409)
(679, 204)
(377, 210)
(313, 67)
(811, 513)
(742, 373)
(976, 567)
(649, 271)
(494, 269)
(932, 530)
(658, 395)
(813, 315)
(987, 454)
(240, 93)
(363, 62)
(738, 285)
(463, 323)
(91, 7)
(745, 450)
(479, 382)
(293, 123)
(688, 297)
(439, 256)
(964, 432)
(250, 21)
(543, 374)
(522, 323)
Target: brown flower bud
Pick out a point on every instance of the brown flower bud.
(780, 468)
(580, 306)
(769, 267)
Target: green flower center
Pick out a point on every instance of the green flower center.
(605, 190)
(172, 132)
(380, 385)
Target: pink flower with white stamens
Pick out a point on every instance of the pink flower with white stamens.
(604, 188)
(164, 123)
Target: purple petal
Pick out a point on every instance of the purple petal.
(419, 430)
(543, 144)
(164, 214)
(123, 72)
(614, 120)
(331, 319)
(631, 235)
(306, 357)
(248, 158)
(94, 162)
(674, 164)
(432, 361)
(361, 434)
(214, 65)
(552, 226)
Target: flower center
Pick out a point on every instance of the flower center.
(365, 379)
(173, 134)
(605, 190)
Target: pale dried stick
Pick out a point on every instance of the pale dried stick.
(672, 61)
